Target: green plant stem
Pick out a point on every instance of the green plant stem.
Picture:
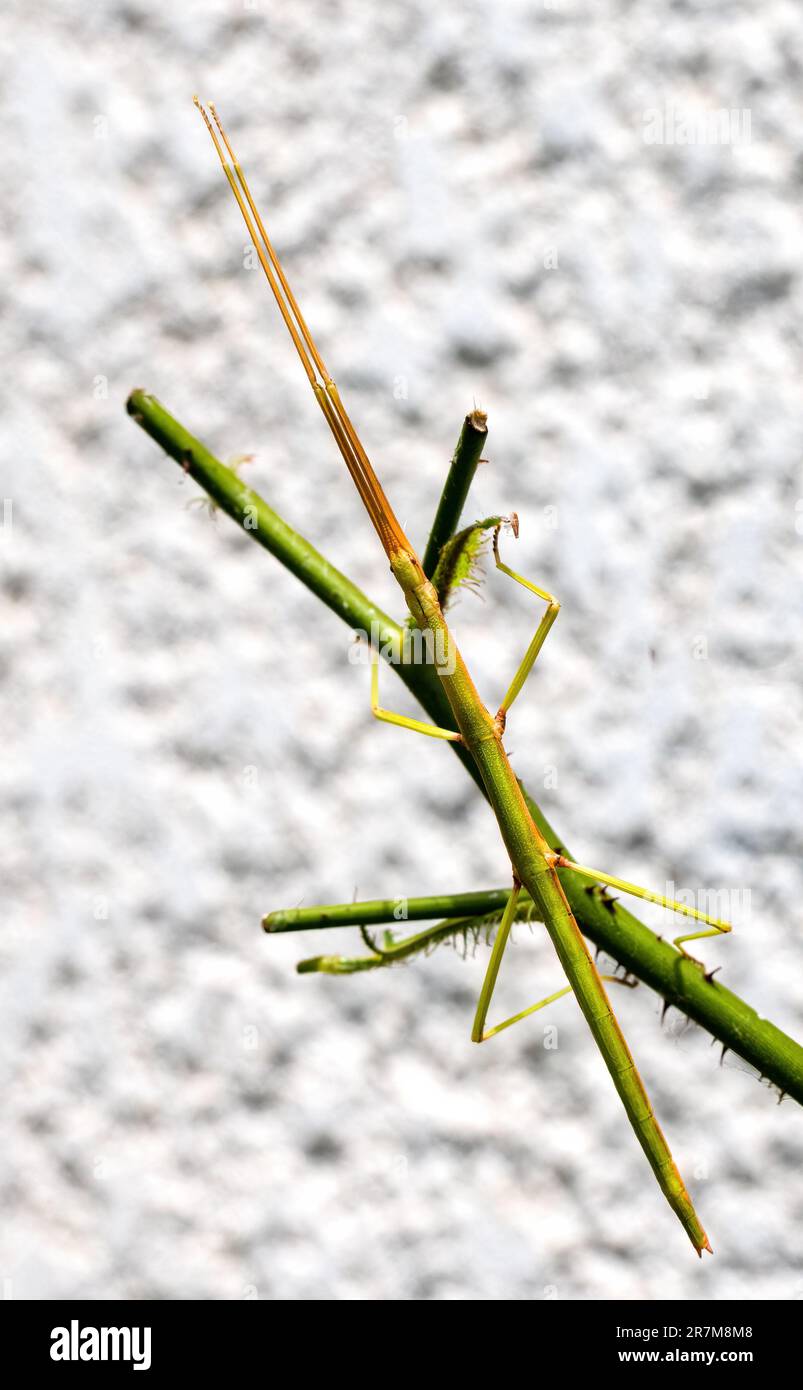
(609, 925)
(455, 490)
(265, 526)
(385, 911)
(657, 964)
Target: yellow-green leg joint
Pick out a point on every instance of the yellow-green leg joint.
(530, 656)
(718, 928)
(403, 722)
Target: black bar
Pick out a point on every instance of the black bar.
(629, 1341)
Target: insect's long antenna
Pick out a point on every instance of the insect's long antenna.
(286, 315)
(329, 385)
(274, 259)
(359, 466)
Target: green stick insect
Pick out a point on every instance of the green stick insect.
(536, 887)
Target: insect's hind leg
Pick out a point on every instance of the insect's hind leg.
(479, 1033)
(716, 927)
(530, 656)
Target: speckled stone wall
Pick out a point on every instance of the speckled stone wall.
(474, 208)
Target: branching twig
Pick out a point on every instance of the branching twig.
(455, 490)
(609, 925)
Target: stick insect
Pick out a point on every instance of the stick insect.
(533, 864)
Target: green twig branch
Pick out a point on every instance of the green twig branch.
(264, 525)
(385, 911)
(657, 964)
(608, 924)
(455, 490)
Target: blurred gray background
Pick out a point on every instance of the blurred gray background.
(470, 213)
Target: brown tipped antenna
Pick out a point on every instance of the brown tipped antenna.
(373, 497)
(274, 259)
